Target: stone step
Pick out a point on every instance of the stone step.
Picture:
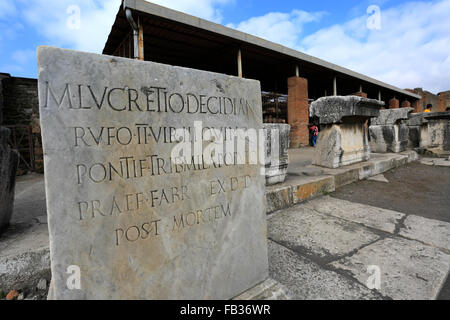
(300, 187)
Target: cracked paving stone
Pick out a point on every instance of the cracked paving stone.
(409, 269)
(378, 218)
(317, 235)
(304, 279)
(429, 231)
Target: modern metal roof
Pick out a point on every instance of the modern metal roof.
(195, 35)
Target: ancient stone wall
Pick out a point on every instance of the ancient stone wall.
(20, 100)
(21, 107)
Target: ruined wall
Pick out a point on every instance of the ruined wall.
(2, 77)
(21, 107)
(20, 100)
(443, 101)
(1, 102)
(439, 101)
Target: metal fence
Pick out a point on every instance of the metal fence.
(274, 107)
(21, 139)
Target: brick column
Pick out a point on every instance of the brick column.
(406, 104)
(298, 111)
(394, 104)
(417, 105)
(441, 105)
(360, 94)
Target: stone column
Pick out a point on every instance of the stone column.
(9, 160)
(435, 136)
(417, 105)
(298, 113)
(416, 125)
(394, 104)
(406, 104)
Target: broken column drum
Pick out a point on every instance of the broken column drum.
(343, 137)
(389, 132)
(276, 152)
(415, 122)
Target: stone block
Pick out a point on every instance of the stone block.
(332, 110)
(391, 116)
(129, 216)
(343, 137)
(276, 153)
(389, 138)
(278, 199)
(436, 132)
(315, 188)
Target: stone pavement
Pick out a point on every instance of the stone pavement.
(318, 249)
(328, 248)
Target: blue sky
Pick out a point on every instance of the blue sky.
(409, 47)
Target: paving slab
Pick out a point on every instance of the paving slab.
(378, 218)
(267, 290)
(436, 162)
(317, 235)
(409, 270)
(429, 231)
(412, 189)
(379, 178)
(305, 280)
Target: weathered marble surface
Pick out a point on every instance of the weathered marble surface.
(435, 133)
(389, 138)
(337, 108)
(341, 145)
(391, 116)
(9, 160)
(276, 155)
(343, 137)
(160, 231)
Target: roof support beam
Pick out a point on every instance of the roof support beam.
(135, 33)
(239, 63)
(141, 40)
(334, 86)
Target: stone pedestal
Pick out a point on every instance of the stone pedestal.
(415, 123)
(194, 225)
(276, 153)
(435, 133)
(8, 167)
(388, 133)
(343, 137)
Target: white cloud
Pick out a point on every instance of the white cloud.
(282, 28)
(22, 57)
(412, 49)
(50, 19)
